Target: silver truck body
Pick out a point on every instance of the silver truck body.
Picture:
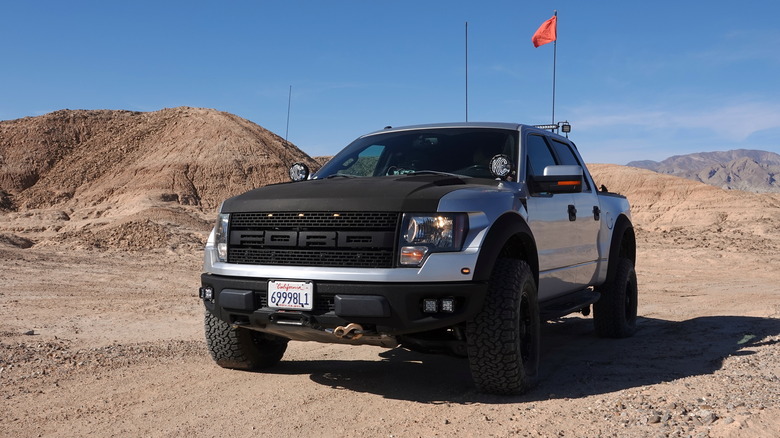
(572, 254)
(454, 238)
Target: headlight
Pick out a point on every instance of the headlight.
(221, 236)
(423, 234)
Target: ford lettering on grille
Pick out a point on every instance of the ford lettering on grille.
(356, 239)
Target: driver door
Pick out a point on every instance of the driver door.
(561, 224)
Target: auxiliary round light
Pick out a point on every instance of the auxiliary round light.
(299, 172)
(501, 166)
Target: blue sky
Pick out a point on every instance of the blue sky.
(637, 80)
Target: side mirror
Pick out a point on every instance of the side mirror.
(559, 179)
(299, 172)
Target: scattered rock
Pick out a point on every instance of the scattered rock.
(15, 241)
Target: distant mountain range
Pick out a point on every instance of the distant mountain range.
(741, 169)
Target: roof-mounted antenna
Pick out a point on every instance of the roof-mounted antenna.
(467, 71)
(289, 100)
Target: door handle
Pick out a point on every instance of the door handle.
(572, 213)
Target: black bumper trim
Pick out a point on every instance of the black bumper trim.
(388, 308)
(362, 305)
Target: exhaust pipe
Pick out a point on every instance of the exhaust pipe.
(351, 331)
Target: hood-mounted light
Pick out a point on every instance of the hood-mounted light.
(299, 172)
(501, 166)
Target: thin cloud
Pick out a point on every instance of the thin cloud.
(732, 122)
(739, 47)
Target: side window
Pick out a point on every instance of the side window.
(539, 154)
(565, 154)
(567, 157)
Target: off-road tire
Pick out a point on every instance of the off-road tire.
(239, 348)
(503, 338)
(614, 314)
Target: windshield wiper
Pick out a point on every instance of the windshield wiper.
(430, 172)
(340, 175)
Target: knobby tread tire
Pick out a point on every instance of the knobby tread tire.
(615, 313)
(503, 338)
(241, 349)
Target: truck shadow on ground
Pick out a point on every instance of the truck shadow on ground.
(575, 363)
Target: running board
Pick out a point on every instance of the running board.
(570, 303)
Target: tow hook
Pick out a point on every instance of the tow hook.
(351, 331)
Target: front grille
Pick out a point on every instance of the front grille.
(351, 239)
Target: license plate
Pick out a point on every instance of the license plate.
(294, 295)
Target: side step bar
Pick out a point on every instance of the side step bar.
(570, 303)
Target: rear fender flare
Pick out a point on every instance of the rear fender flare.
(623, 245)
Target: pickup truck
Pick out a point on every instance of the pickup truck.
(454, 238)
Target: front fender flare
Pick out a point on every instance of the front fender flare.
(509, 236)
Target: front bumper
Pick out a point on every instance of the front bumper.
(381, 308)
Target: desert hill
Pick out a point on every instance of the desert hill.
(695, 213)
(103, 175)
(742, 169)
(129, 180)
(188, 156)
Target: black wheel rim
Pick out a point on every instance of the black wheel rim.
(631, 304)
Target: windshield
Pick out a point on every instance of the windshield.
(461, 151)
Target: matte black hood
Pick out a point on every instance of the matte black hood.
(387, 193)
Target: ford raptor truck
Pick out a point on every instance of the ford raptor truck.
(456, 238)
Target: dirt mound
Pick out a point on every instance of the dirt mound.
(190, 156)
(131, 235)
(171, 167)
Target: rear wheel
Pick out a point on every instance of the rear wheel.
(239, 348)
(503, 339)
(614, 314)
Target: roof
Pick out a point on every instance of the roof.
(493, 125)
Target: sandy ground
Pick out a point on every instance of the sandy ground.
(109, 343)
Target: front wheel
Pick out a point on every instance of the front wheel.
(614, 314)
(239, 348)
(503, 338)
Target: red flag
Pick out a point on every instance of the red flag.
(546, 33)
